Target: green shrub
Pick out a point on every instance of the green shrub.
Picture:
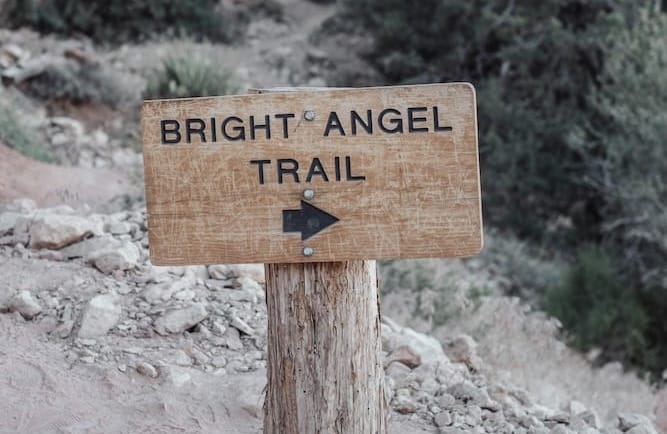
(20, 137)
(120, 20)
(189, 76)
(572, 100)
(598, 308)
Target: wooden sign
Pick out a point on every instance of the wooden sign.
(333, 175)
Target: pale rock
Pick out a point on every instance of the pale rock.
(21, 206)
(642, 429)
(405, 355)
(251, 286)
(8, 221)
(219, 362)
(252, 271)
(179, 320)
(469, 393)
(627, 421)
(446, 401)
(591, 418)
(118, 228)
(218, 328)
(25, 304)
(164, 291)
(199, 357)
(125, 257)
(405, 405)
(55, 231)
(576, 408)
(398, 371)
(6, 296)
(233, 339)
(463, 349)
(185, 295)
(180, 358)
(102, 314)
(428, 348)
(147, 369)
(176, 375)
(241, 326)
(86, 248)
(442, 419)
(219, 271)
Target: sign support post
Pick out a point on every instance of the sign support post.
(324, 365)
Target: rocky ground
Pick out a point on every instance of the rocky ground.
(88, 319)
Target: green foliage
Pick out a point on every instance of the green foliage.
(596, 306)
(572, 101)
(20, 137)
(189, 76)
(120, 20)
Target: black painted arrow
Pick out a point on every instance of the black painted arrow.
(309, 220)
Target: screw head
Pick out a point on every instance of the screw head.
(308, 251)
(308, 194)
(309, 115)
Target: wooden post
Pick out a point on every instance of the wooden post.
(325, 371)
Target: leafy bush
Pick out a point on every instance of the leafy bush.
(572, 101)
(596, 306)
(189, 76)
(18, 136)
(120, 20)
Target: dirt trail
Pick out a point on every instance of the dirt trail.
(47, 184)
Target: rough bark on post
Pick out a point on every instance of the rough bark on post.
(325, 373)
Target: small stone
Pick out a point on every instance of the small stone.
(118, 228)
(219, 272)
(86, 248)
(446, 401)
(125, 257)
(241, 326)
(147, 369)
(25, 304)
(469, 393)
(177, 376)
(233, 339)
(442, 419)
(463, 349)
(576, 408)
(6, 296)
(7, 222)
(627, 421)
(219, 362)
(405, 405)
(102, 314)
(199, 357)
(54, 231)
(179, 320)
(405, 355)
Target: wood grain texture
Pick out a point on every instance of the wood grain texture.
(325, 374)
(420, 198)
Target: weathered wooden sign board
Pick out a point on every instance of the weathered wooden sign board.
(333, 175)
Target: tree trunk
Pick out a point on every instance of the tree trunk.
(325, 373)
